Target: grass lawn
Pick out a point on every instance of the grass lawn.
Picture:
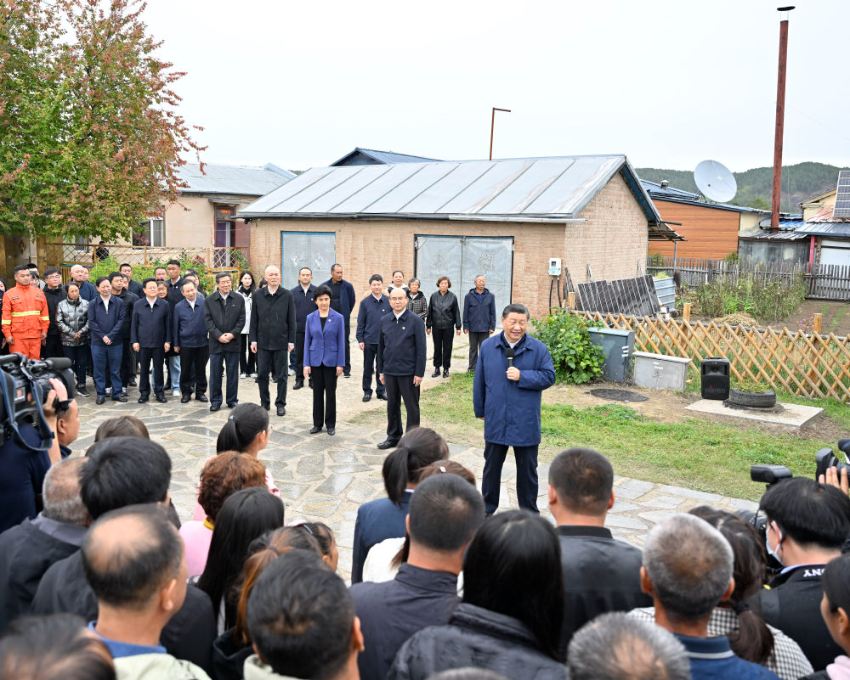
(695, 453)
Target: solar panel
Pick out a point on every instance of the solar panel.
(842, 195)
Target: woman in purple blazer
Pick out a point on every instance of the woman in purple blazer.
(324, 358)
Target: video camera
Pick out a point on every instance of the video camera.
(24, 386)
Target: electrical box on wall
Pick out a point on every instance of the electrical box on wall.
(554, 266)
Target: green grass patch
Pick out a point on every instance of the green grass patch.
(698, 454)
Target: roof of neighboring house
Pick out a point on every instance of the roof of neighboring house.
(767, 235)
(814, 199)
(237, 180)
(517, 190)
(830, 229)
(673, 195)
(382, 157)
(655, 189)
(824, 214)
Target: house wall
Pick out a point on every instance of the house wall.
(709, 232)
(613, 242)
(811, 207)
(191, 222)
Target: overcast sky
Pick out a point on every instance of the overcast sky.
(669, 83)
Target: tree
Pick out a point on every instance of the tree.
(90, 140)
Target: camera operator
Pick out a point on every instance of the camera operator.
(22, 471)
(807, 523)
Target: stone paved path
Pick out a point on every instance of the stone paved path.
(326, 478)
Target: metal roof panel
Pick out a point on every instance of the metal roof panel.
(329, 201)
(396, 175)
(477, 196)
(272, 201)
(229, 179)
(398, 196)
(432, 200)
(574, 188)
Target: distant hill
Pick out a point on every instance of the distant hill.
(799, 182)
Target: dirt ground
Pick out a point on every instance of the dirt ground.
(836, 317)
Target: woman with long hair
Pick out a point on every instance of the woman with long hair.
(247, 359)
(384, 518)
(511, 615)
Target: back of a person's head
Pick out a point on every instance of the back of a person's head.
(451, 467)
(225, 474)
(121, 426)
(690, 566)
(445, 513)
(468, 673)
(300, 617)
(836, 584)
(812, 514)
(418, 448)
(61, 493)
(245, 515)
(616, 646)
(243, 425)
(55, 647)
(582, 479)
(124, 471)
(506, 549)
(130, 554)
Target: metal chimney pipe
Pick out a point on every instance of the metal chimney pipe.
(776, 190)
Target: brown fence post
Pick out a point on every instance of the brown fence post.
(686, 312)
(145, 255)
(817, 323)
(571, 300)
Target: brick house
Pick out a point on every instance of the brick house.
(502, 218)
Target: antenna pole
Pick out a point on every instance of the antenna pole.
(493, 126)
(776, 190)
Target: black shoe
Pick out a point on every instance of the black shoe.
(202, 397)
(331, 431)
(161, 399)
(232, 405)
(346, 375)
(82, 391)
(388, 444)
(266, 406)
(298, 385)
(311, 383)
(100, 400)
(120, 398)
(314, 430)
(281, 410)
(436, 373)
(132, 383)
(367, 397)
(446, 373)
(186, 398)
(215, 407)
(382, 397)
(143, 400)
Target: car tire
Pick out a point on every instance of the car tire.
(765, 399)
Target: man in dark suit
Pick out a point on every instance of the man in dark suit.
(373, 308)
(224, 315)
(133, 286)
(342, 301)
(128, 356)
(190, 341)
(401, 365)
(150, 332)
(304, 305)
(272, 335)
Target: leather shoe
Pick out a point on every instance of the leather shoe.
(121, 398)
(265, 406)
(202, 397)
(185, 398)
(331, 431)
(367, 397)
(298, 385)
(161, 399)
(382, 397)
(346, 375)
(100, 400)
(132, 383)
(446, 373)
(388, 444)
(314, 430)
(215, 407)
(232, 404)
(143, 400)
(281, 410)
(436, 373)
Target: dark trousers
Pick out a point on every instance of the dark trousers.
(443, 341)
(347, 368)
(370, 356)
(324, 395)
(128, 362)
(146, 356)
(299, 356)
(106, 364)
(247, 359)
(194, 369)
(278, 361)
(52, 347)
(220, 362)
(401, 387)
(526, 476)
(79, 357)
(475, 340)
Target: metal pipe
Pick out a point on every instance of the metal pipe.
(776, 190)
(493, 126)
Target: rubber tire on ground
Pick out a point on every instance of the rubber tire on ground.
(752, 399)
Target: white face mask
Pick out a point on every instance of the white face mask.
(771, 551)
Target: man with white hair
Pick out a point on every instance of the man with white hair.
(687, 570)
(272, 336)
(81, 275)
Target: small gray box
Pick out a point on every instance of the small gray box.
(660, 372)
(617, 346)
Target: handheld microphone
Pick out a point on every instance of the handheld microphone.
(509, 354)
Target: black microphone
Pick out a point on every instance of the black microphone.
(58, 363)
(509, 353)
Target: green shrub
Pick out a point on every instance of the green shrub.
(766, 298)
(577, 359)
(142, 272)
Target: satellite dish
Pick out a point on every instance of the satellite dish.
(715, 181)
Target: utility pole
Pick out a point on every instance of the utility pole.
(492, 127)
(776, 190)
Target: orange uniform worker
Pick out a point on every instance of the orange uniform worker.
(25, 316)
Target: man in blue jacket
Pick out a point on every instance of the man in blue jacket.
(106, 318)
(479, 318)
(401, 364)
(513, 370)
(304, 305)
(150, 333)
(191, 343)
(373, 308)
(342, 301)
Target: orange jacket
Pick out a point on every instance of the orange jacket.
(25, 312)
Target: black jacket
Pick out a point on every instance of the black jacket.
(224, 318)
(480, 638)
(304, 305)
(369, 316)
(151, 327)
(26, 553)
(443, 311)
(228, 658)
(792, 604)
(188, 635)
(277, 328)
(54, 297)
(129, 299)
(391, 612)
(601, 574)
(175, 291)
(136, 288)
(402, 345)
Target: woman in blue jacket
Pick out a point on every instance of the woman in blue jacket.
(324, 358)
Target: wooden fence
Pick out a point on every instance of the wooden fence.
(807, 364)
(830, 282)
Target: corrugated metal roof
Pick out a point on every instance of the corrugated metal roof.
(232, 179)
(384, 157)
(831, 229)
(655, 189)
(765, 235)
(788, 224)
